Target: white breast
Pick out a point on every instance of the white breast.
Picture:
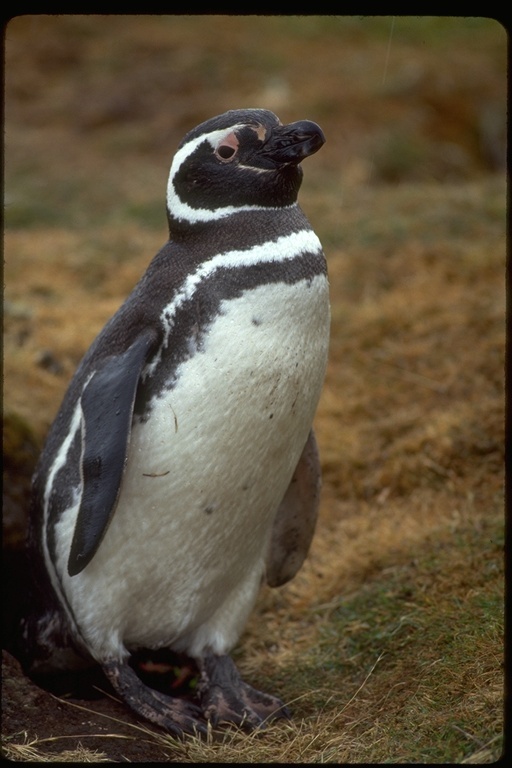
(183, 558)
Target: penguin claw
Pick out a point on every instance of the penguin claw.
(177, 716)
(226, 698)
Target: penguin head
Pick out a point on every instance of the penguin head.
(241, 160)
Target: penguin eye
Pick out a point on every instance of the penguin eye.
(227, 149)
(225, 152)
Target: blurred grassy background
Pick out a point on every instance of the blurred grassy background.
(389, 642)
(88, 97)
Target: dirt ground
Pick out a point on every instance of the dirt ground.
(408, 197)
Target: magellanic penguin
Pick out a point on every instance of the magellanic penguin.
(181, 471)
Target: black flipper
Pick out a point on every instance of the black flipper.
(107, 406)
(295, 521)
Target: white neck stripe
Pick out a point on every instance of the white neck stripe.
(182, 211)
(284, 248)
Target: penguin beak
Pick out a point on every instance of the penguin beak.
(292, 143)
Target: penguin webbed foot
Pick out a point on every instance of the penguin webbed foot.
(226, 698)
(176, 715)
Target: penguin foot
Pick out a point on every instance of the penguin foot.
(226, 698)
(177, 716)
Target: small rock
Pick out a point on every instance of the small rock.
(47, 360)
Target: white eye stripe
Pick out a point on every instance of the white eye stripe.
(180, 209)
(214, 139)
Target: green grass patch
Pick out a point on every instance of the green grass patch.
(414, 658)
